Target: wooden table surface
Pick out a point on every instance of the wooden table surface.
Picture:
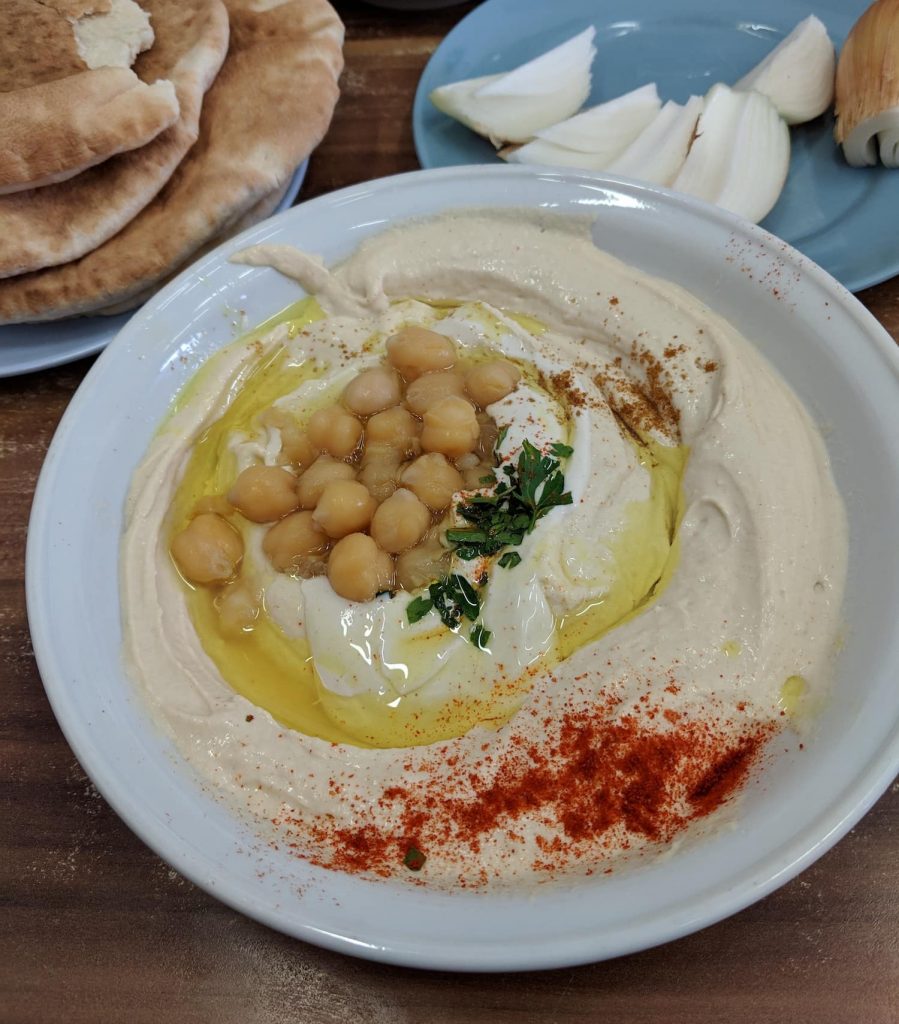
(96, 928)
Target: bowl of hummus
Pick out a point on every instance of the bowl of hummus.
(482, 569)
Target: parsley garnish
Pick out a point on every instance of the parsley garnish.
(533, 486)
(452, 597)
(414, 859)
(418, 608)
(479, 636)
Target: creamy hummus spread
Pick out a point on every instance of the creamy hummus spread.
(641, 648)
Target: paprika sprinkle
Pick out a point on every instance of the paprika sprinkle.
(595, 785)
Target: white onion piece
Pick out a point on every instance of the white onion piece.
(608, 128)
(798, 74)
(515, 105)
(550, 155)
(741, 154)
(659, 151)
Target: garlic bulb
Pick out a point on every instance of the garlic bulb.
(659, 151)
(740, 156)
(513, 106)
(797, 75)
(867, 88)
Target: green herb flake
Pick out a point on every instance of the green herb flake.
(509, 560)
(561, 451)
(480, 637)
(414, 859)
(534, 486)
(453, 597)
(418, 608)
(469, 535)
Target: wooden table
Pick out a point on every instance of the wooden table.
(95, 928)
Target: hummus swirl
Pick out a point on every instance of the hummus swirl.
(688, 597)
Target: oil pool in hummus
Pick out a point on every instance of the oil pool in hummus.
(625, 660)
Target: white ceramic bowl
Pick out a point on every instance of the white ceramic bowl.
(844, 366)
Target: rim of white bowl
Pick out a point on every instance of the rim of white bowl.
(766, 874)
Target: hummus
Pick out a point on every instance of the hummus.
(646, 642)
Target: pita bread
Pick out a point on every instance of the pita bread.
(79, 8)
(51, 132)
(113, 38)
(264, 208)
(267, 110)
(61, 222)
(24, 62)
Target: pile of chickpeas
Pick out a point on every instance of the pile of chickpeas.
(363, 491)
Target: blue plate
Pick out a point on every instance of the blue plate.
(846, 219)
(27, 347)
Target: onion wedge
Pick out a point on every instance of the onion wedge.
(608, 128)
(659, 151)
(741, 154)
(797, 75)
(513, 106)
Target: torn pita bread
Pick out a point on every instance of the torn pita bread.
(73, 36)
(113, 38)
(51, 132)
(267, 110)
(24, 63)
(264, 208)
(58, 223)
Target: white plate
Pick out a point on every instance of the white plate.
(842, 363)
(28, 347)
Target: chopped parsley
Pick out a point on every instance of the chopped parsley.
(532, 487)
(509, 560)
(479, 636)
(414, 859)
(452, 597)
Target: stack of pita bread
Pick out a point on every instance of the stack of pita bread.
(113, 176)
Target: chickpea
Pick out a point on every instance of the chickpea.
(488, 382)
(400, 522)
(264, 493)
(422, 564)
(296, 448)
(373, 390)
(207, 550)
(335, 431)
(432, 388)
(358, 569)
(298, 545)
(433, 480)
(344, 507)
(380, 469)
(416, 350)
(396, 427)
(450, 427)
(238, 609)
(312, 483)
